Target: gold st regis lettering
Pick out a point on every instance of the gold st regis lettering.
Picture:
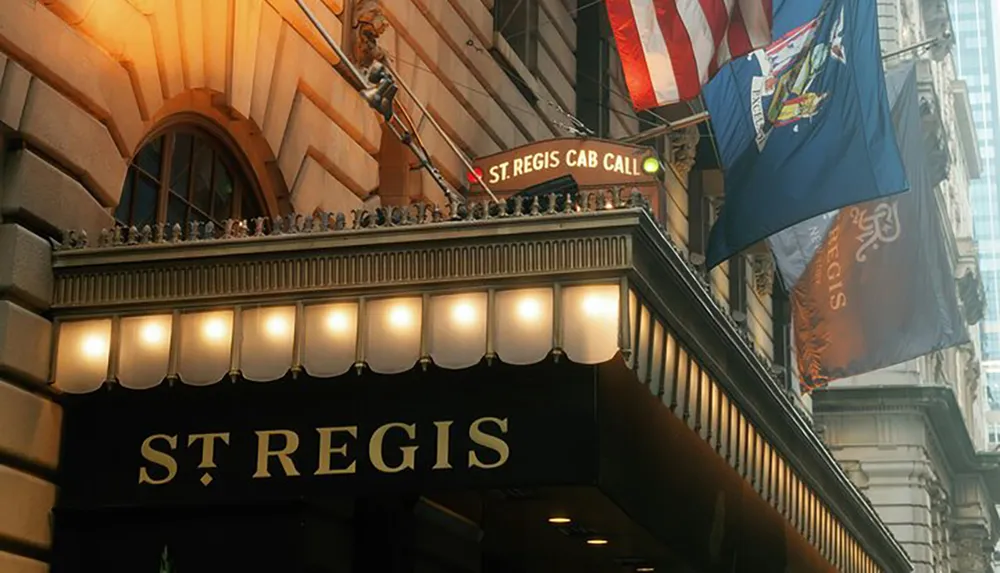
(158, 457)
(480, 437)
(327, 450)
(392, 448)
(375, 449)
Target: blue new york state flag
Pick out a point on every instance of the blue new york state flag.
(802, 127)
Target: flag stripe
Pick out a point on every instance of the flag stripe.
(680, 49)
(757, 21)
(716, 14)
(671, 48)
(659, 64)
(632, 53)
(739, 40)
(698, 26)
(722, 55)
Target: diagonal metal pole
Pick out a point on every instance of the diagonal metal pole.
(461, 154)
(405, 137)
(333, 45)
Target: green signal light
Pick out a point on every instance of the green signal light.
(651, 165)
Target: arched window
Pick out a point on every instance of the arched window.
(186, 174)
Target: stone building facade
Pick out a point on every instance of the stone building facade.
(913, 436)
(94, 93)
(139, 112)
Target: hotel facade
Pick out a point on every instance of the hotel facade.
(240, 326)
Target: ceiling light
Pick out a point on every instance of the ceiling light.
(644, 569)
(597, 541)
(559, 520)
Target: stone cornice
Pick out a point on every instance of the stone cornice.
(608, 236)
(942, 410)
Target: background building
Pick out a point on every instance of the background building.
(975, 60)
(911, 435)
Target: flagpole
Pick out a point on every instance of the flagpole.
(925, 44)
(659, 130)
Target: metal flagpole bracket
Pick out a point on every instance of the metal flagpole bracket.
(659, 130)
(943, 40)
(381, 96)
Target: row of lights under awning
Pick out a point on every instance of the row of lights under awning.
(453, 330)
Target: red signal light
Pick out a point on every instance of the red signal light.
(474, 176)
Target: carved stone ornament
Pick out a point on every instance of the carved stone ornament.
(369, 24)
(364, 218)
(937, 360)
(683, 145)
(971, 553)
(763, 274)
(973, 370)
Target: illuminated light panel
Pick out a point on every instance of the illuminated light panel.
(600, 306)
(214, 329)
(597, 541)
(337, 321)
(94, 347)
(529, 309)
(152, 334)
(276, 326)
(463, 314)
(400, 317)
(560, 520)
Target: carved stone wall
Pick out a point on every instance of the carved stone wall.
(894, 455)
(973, 550)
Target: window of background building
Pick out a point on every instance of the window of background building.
(738, 288)
(184, 175)
(994, 434)
(781, 315)
(594, 47)
(699, 213)
(517, 22)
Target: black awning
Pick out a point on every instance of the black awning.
(551, 426)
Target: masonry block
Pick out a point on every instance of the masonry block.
(27, 269)
(25, 343)
(36, 193)
(26, 501)
(29, 426)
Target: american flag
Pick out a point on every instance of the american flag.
(670, 48)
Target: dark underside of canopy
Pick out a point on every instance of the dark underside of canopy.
(589, 443)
